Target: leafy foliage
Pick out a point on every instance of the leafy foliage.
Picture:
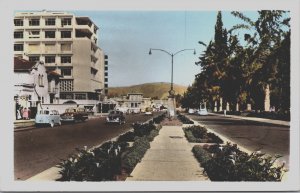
(240, 74)
(198, 134)
(228, 163)
(184, 119)
(135, 153)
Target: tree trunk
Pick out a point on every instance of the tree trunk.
(221, 104)
(267, 98)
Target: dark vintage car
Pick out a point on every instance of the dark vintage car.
(73, 114)
(115, 116)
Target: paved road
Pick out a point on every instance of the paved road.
(38, 149)
(268, 138)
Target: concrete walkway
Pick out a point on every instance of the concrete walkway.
(169, 159)
(276, 122)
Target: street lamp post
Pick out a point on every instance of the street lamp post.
(171, 92)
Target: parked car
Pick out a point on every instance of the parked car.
(148, 111)
(202, 111)
(73, 114)
(191, 111)
(115, 116)
(47, 116)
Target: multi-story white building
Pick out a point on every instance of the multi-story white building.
(67, 42)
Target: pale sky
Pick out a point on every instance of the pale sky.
(127, 36)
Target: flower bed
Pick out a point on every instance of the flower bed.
(228, 163)
(111, 159)
(184, 119)
(198, 134)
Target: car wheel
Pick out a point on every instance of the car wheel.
(52, 124)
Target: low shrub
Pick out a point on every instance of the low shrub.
(159, 118)
(201, 154)
(142, 129)
(198, 134)
(134, 154)
(228, 163)
(100, 164)
(184, 119)
(152, 134)
(128, 136)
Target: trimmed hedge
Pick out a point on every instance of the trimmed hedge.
(198, 134)
(228, 163)
(107, 161)
(135, 153)
(184, 119)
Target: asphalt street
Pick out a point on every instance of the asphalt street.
(255, 136)
(38, 149)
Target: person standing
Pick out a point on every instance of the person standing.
(25, 113)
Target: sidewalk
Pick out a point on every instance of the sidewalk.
(169, 159)
(271, 121)
(23, 123)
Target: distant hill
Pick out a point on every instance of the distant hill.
(157, 89)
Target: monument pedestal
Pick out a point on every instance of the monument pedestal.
(171, 106)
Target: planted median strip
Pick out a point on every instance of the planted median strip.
(113, 160)
(226, 162)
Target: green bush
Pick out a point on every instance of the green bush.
(100, 164)
(152, 134)
(135, 153)
(142, 129)
(159, 118)
(228, 163)
(128, 136)
(198, 134)
(201, 154)
(184, 119)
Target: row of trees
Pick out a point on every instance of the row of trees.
(245, 73)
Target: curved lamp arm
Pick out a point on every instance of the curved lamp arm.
(159, 50)
(184, 50)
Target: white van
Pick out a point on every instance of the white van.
(47, 116)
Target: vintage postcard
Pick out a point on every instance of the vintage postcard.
(150, 96)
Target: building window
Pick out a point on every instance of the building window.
(65, 47)
(50, 48)
(105, 79)
(66, 72)
(18, 22)
(41, 80)
(65, 59)
(106, 74)
(18, 47)
(34, 22)
(34, 34)
(50, 21)
(80, 96)
(66, 85)
(18, 34)
(66, 96)
(106, 68)
(66, 21)
(49, 34)
(33, 48)
(34, 58)
(106, 63)
(105, 85)
(65, 34)
(49, 59)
